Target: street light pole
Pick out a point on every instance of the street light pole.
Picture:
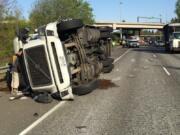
(160, 18)
(120, 11)
(120, 32)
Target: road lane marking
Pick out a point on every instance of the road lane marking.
(167, 72)
(117, 59)
(154, 56)
(38, 121)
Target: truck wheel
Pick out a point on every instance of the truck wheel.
(108, 69)
(107, 62)
(70, 25)
(85, 88)
(105, 35)
(105, 29)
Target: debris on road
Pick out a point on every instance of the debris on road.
(131, 76)
(43, 98)
(23, 98)
(36, 115)
(145, 67)
(150, 60)
(133, 60)
(154, 56)
(15, 97)
(82, 129)
(116, 79)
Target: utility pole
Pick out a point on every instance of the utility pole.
(120, 11)
(160, 18)
(120, 31)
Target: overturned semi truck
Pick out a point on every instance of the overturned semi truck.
(66, 57)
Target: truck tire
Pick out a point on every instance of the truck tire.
(70, 25)
(85, 88)
(105, 35)
(108, 69)
(105, 29)
(107, 62)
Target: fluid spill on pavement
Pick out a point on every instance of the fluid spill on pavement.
(105, 84)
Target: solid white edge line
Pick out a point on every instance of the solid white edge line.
(167, 72)
(117, 59)
(38, 121)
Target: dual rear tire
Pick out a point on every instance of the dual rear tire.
(107, 65)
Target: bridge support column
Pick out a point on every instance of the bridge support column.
(114, 26)
(139, 32)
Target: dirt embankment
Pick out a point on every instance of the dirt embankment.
(3, 86)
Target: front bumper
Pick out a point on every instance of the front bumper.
(176, 49)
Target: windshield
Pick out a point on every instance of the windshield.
(176, 35)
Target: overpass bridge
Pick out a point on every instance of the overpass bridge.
(127, 25)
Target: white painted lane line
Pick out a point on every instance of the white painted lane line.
(154, 55)
(167, 72)
(117, 59)
(38, 121)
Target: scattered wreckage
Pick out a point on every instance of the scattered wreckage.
(65, 57)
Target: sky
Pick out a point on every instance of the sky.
(128, 10)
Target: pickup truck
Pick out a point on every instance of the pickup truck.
(66, 57)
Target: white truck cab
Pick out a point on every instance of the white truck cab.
(172, 37)
(175, 41)
(46, 64)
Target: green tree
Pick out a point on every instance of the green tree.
(174, 20)
(45, 11)
(177, 11)
(6, 8)
(10, 20)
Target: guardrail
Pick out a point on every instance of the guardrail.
(3, 69)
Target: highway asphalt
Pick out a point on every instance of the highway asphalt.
(143, 100)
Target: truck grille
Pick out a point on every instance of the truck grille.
(37, 65)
